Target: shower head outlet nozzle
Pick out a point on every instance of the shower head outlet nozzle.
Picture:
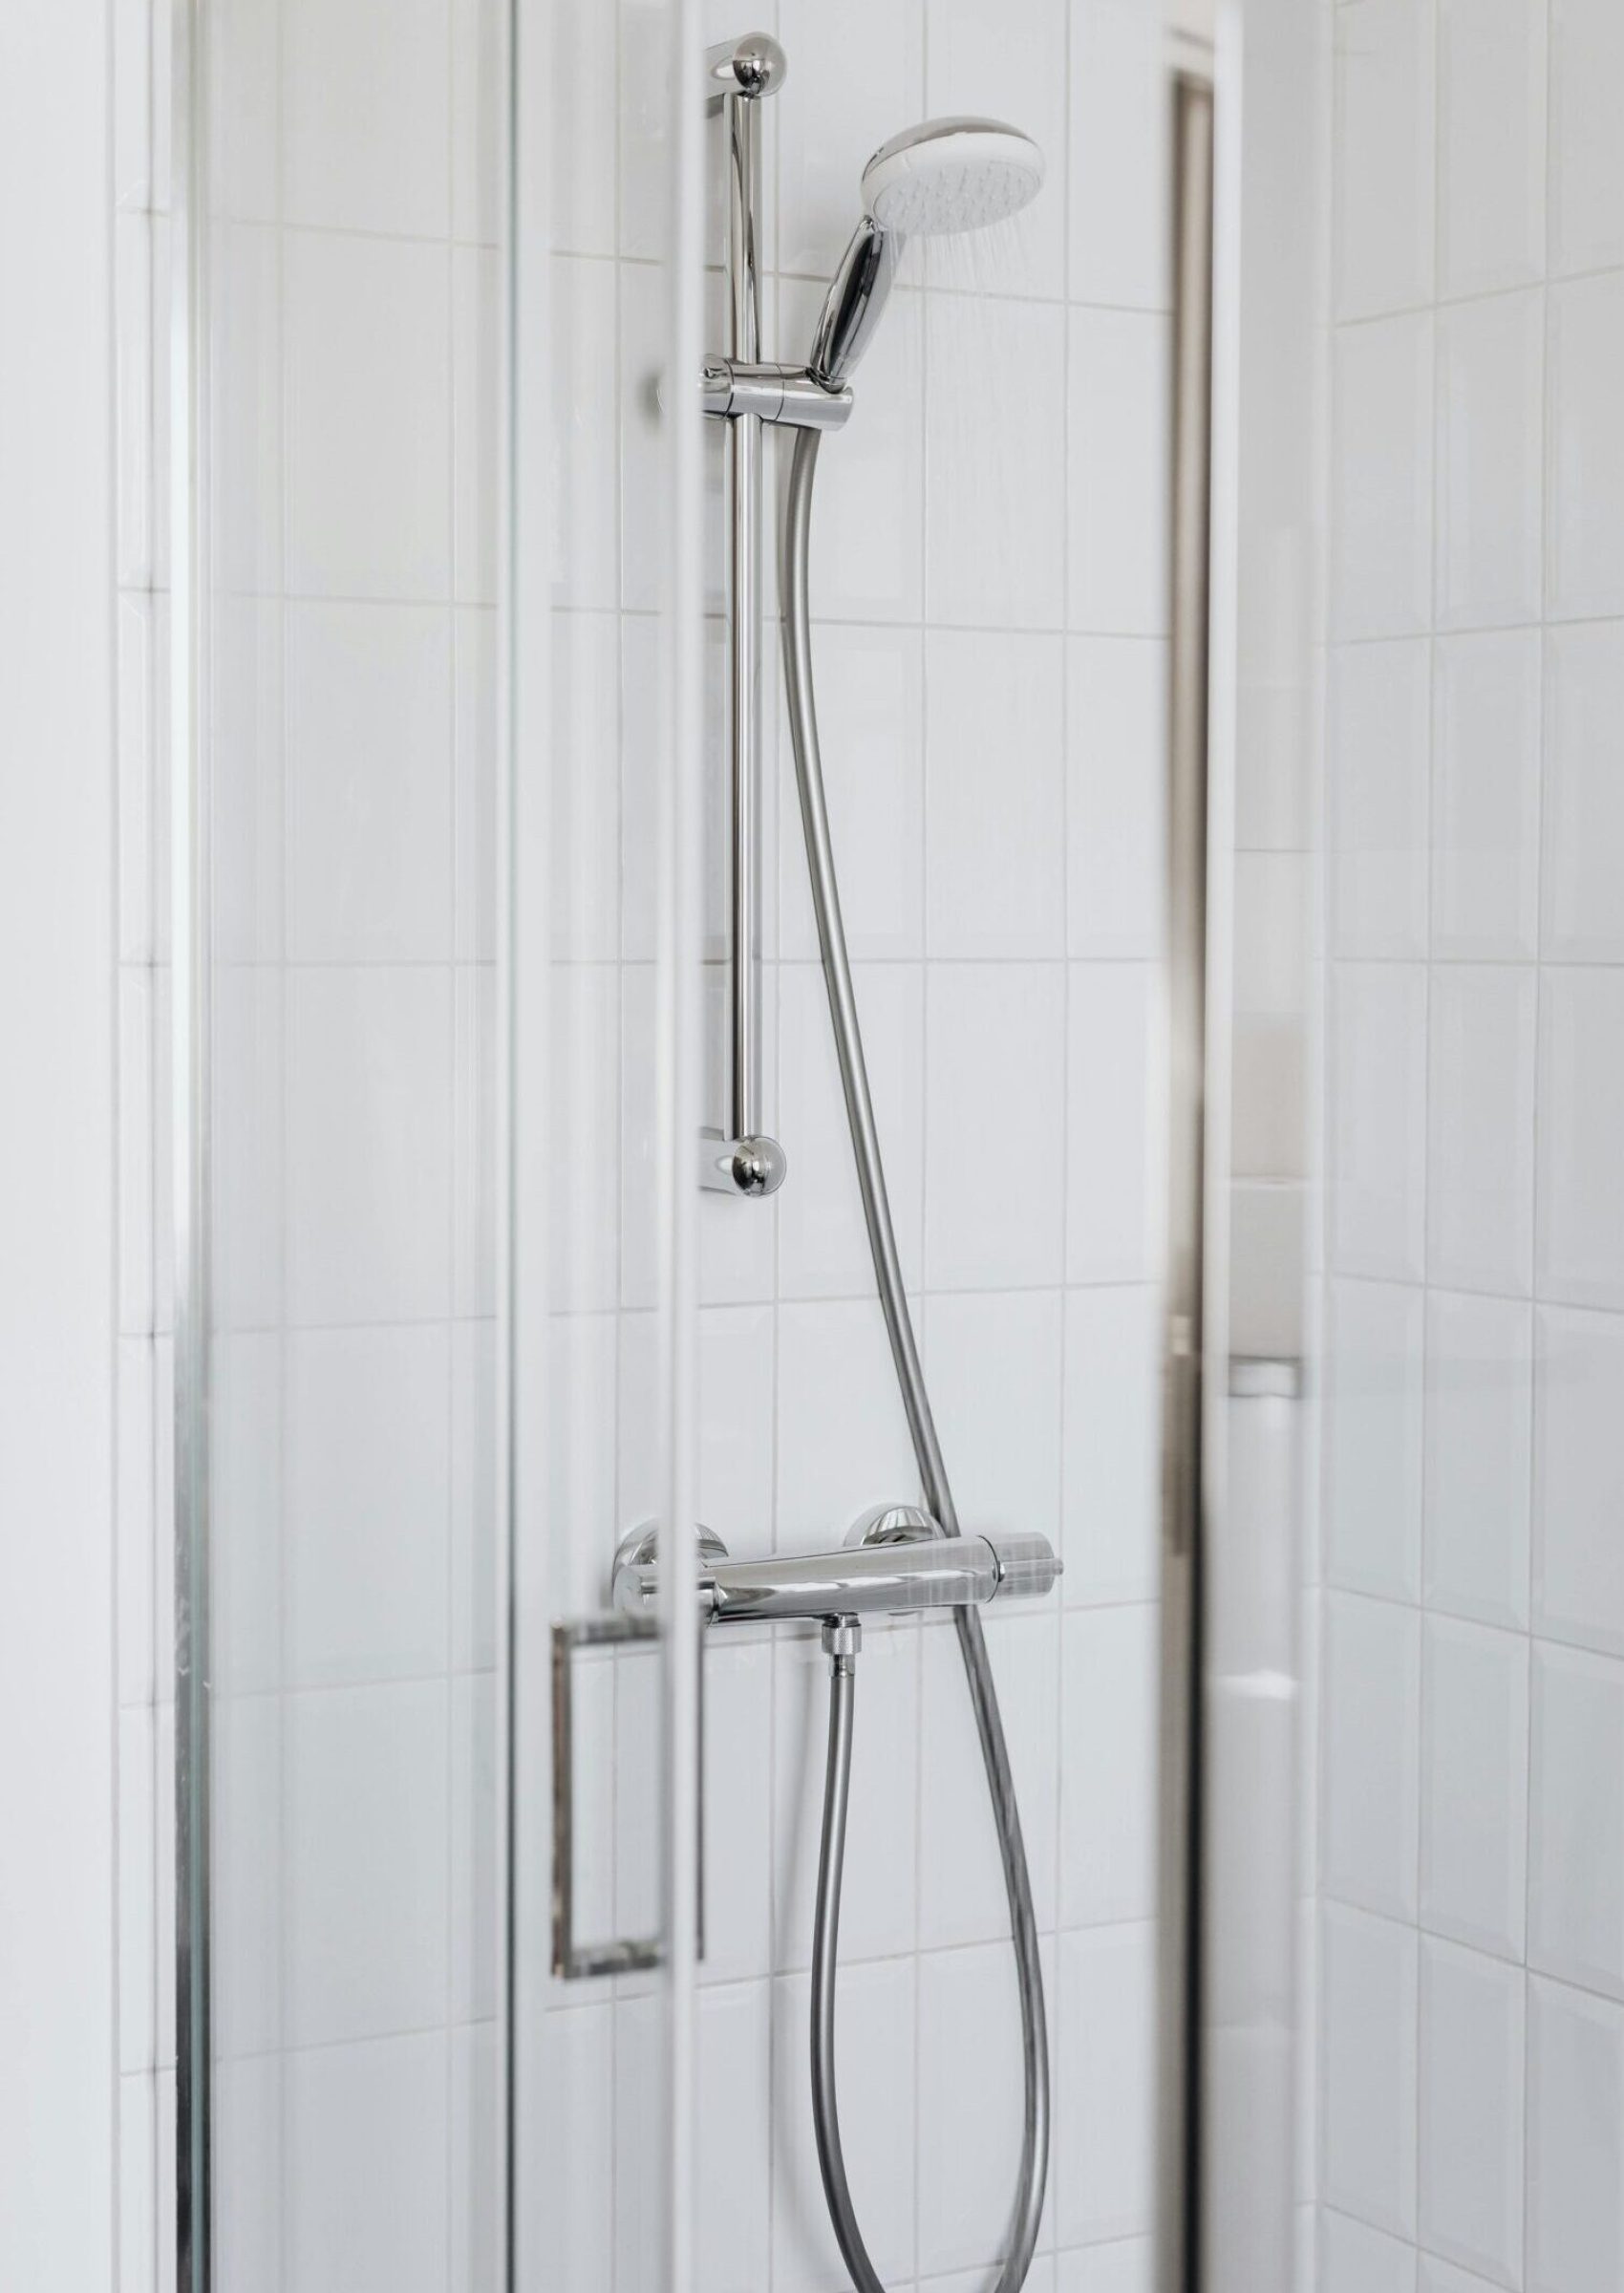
(952, 175)
(942, 177)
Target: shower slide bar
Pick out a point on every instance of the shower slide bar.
(743, 1159)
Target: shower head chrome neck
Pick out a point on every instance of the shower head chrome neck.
(944, 176)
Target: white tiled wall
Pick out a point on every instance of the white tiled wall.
(991, 663)
(1471, 1841)
(990, 657)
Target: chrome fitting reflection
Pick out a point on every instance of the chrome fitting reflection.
(748, 1166)
(873, 1578)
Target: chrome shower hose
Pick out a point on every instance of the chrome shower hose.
(1028, 2209)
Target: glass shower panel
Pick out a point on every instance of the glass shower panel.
(433, 851)
(348, 233)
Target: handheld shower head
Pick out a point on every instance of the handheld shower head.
(943, 176)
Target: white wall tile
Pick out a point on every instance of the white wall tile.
(1355, 2259)
(586, 537)
(1575, 2242)
(1490, 460)
(1382, 479)
(733, 2106)
(137, 1847)
(1442, 2277)
(738, 1792)
(251, 384)
(735, 2109)
(253, 1083)
(1380, 745)
(471, 1851)
(995, 1364)
(1585, 560)
(994, 1038)
(996, 543)
(594, 1242)
(1104, 2149)
(970, 2104)
(137, 1521)
(1378, 1119)
(1124, 2265)
(368, 783)
(1005, 69)
(368, 417)
(877, 1911)
(133, 399)
(573, 2185)
(1479, 1440)
(250, 2147)
(1471, 2109)
(368, 2155)
(1576, 1828)
(1384, 130)
(1118, 158)
(1115, 743)
(1583, 915)
(369, 1144)
(1580, 1249)
(247, 664)
(1587, 187)
(1481, 1127)
(839, 118)
(1370, 1754)
(248, 1877)
(477, 409)
(476, 2228)
(367, 1484)
(1474, 1785)
(583, 188)
(1491, 134)
(738, 1373)
(877, 2091)
(1578, 1585)
(1111, 1542)
(139, 1114)
(474, 1611)
(1374, 1352)
(1114, 1200)
(584, 823)
(834, 1371)
(870, 727)
(1109, 1714)
(137, 2183)
(1368, 2071)
(1118, 460)
(367, 1941)
(135, 641)
(582, 1521)
(365, 123)
(1485, 794)
(961, 1893)
(823, 1242)
(995, 796)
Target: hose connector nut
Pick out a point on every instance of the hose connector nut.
(843, 1640)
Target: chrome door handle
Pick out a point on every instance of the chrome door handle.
(572, 1961)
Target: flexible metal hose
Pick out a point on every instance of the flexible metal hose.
(938, 1497)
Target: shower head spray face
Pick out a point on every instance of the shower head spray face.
(943, 176)
(952, 175)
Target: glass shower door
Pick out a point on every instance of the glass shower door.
(429, 956)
